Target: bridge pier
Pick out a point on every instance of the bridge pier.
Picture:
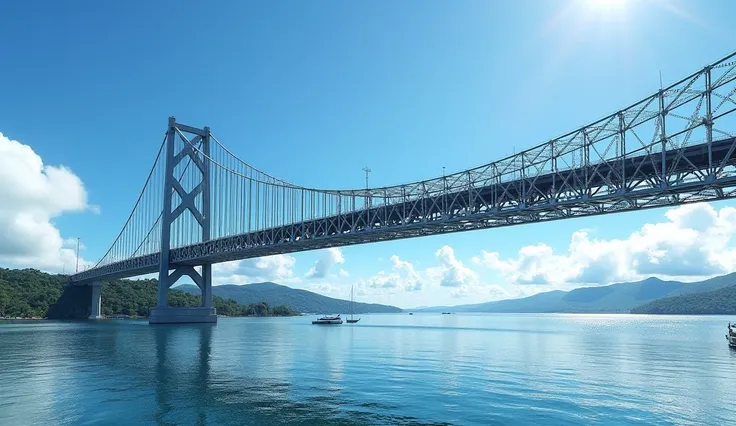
(165, 314)
(96, 301)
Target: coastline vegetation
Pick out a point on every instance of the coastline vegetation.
(28, 293)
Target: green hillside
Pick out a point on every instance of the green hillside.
(29, 293)
(137, 297)
(716, 302)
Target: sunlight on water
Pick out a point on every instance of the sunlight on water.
(388, 369)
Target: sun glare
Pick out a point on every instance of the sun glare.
(606, 5)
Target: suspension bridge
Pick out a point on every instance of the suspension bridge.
(202, 205)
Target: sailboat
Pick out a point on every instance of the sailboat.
(351, 320)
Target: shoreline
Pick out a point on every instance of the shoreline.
(141, 318)
(136, 318)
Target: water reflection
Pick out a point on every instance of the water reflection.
(175, 380)
(387, 370)
(255, 383)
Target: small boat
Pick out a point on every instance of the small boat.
(731, 336)
(351, 320)
(328, 320)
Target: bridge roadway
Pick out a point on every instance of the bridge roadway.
(606, 187)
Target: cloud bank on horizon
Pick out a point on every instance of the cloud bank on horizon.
(691, 242)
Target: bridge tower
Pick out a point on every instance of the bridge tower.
(169, 272)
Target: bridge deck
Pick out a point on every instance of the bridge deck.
(614, 185)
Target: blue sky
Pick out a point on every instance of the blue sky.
(313, 91)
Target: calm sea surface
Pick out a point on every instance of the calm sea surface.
(387, 369)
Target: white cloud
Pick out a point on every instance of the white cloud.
(326, 289)
(403, 277)
(278, 268)
(411, 279)
(330, 257)
(31, 195)
(448, 278)
(451, 272)
(694, 241)
(384, 280)
(535, 264)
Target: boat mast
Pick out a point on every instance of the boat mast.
(351, 301)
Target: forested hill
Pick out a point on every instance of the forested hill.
(28, 293)
(137, 297)
(717, 302)
(301, 300)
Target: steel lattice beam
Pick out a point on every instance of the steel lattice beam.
(550, 197)
(675, 146)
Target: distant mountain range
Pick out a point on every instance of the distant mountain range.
(300, 300)
(716, 302)
(652, 295)
(622, 297)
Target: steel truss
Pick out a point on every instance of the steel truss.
(676, 146)
(174, 186)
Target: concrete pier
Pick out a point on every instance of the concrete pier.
(96, 301)
(205, 313)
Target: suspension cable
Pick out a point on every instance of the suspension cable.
(284, 182)
(140, 197)
(189, 161)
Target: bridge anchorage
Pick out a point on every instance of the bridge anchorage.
(202, 205)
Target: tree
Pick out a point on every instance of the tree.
(4, 299)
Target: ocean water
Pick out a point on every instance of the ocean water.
(388, 369)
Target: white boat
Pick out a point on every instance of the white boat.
(731, 336)
(328, 320)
